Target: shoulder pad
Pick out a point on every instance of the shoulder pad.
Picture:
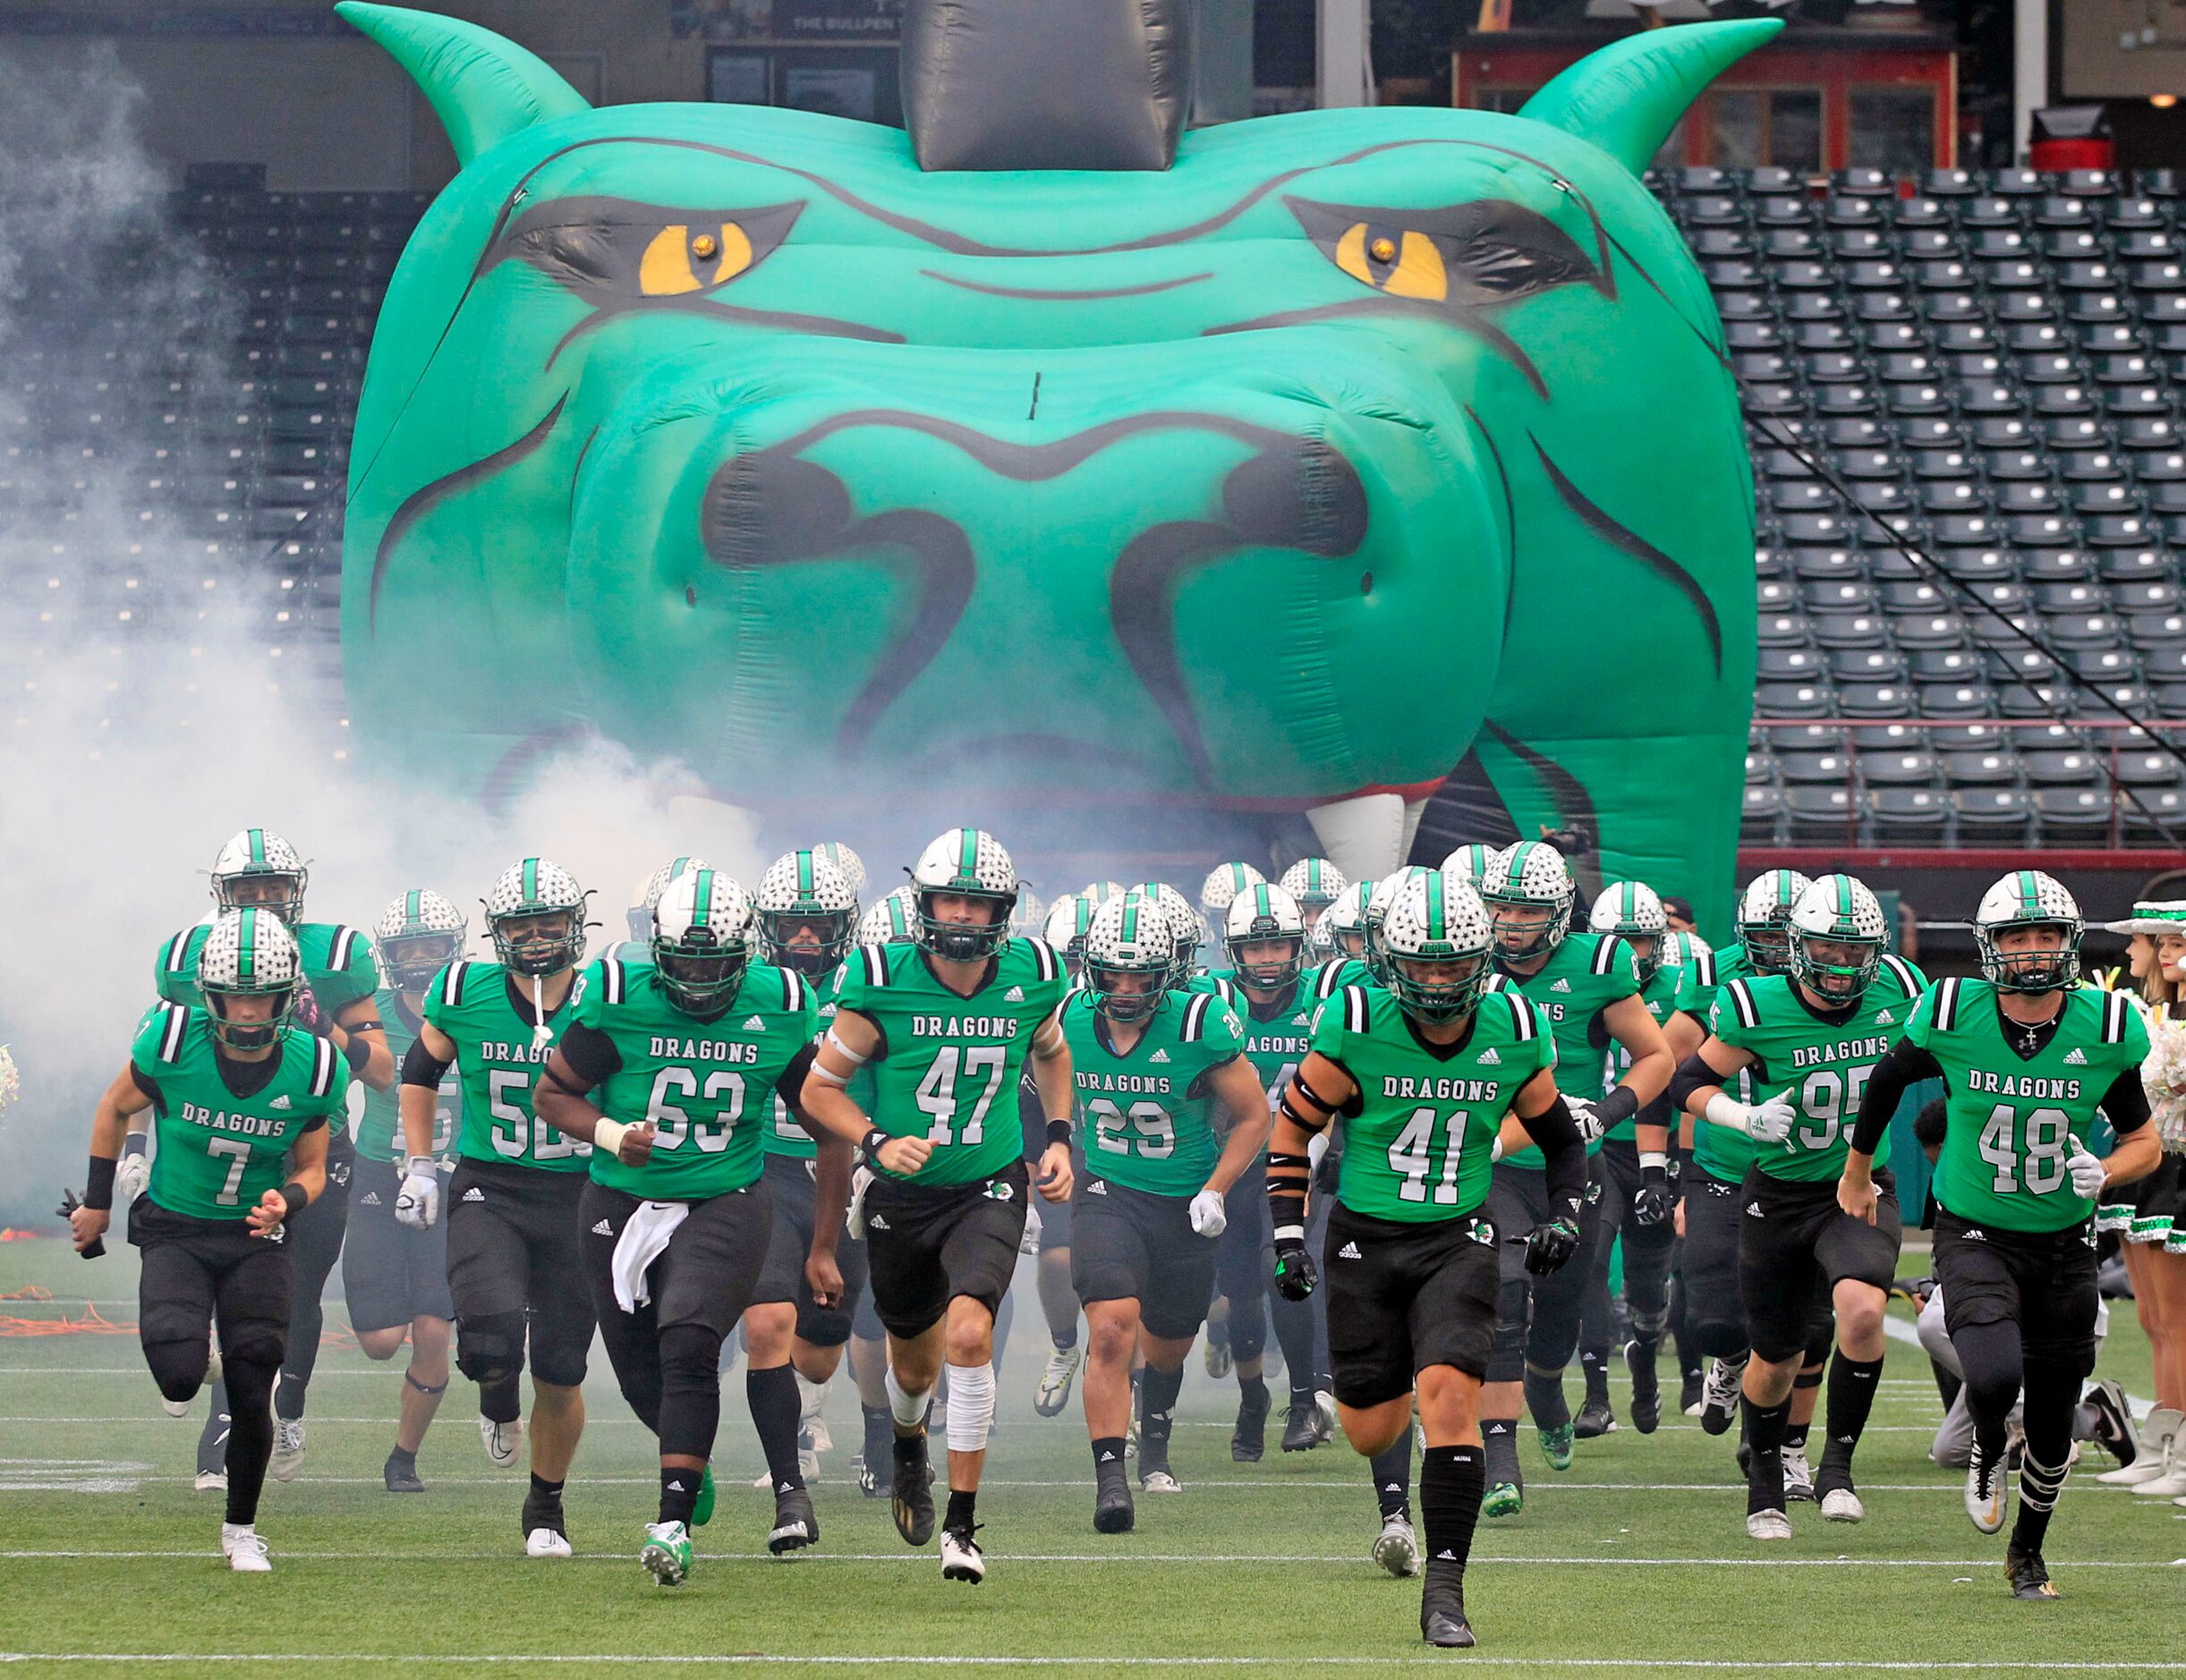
(876, 963)
(175, 955)
(1050, 965)
(322, 1067)
(1195, 1016)
(1742, 1002)
(793, 990)
(1947, 1004)
(1605, 948)
(173, 1030)
(1704, 967)
(1902, 972)
(1355, 1009)
(341, 946)
(1522, 1021)
(614, 979)
(452, 984)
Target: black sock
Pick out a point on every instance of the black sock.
(678, 1494)
(776, 1408)
(1252, 1391)
(1451, 1481)
(960, 1510)
(288, 1398)
(1852, 1386)
(402, 1458)
(1392, 1477)
(1500, 1437)
(550, 1492)
(1765, 1427)
(1596, 1370)
(1157, 1413)
(1065, 1340)
(250, 1441)
(1795, 1435)
(501, 1401)
(1108, 1452)
(1544, 1400)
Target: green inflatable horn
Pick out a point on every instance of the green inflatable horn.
(1627, 97)
(483, 87)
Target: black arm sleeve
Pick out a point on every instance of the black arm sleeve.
(1660, 1113)
(1562, 1149)
(790, 1087)
(590, 1054)
(420, 1066)
(1904, 1064)
(1617, 1105)
(1693, 1074)
(2125, 1105)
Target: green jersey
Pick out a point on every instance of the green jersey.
(707, 1086)
(218, 1152)
(1145, 1113)
(1277, 1036)
(499, 1058)
(1220, 983)
(2010, 1119)
(946, 1067)
(1821, 1062)
(1338, 972)
(1583, 975)
(1660, 995)
(1419, 1132)
(380, 1129)
(1717, 1150)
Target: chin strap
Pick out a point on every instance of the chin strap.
(542, 1035)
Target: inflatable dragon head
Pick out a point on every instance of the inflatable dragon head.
(1353, 445)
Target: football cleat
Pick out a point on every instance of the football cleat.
(1307, 1426)
(1504, 1499)
(209, 1482)
(1442, 1617)
(1842, 1505)
(287, 1449)
(961, 1558)
(1112, 1508)
(796, 1524)
(1767, 1526)
(1159, 1479)
(2112, 1423)
(1719, 1407)
(911, 1493)
(1647, 1386)
(244, 1551)
(549, 1542)
(1217, 1349)
(502, 1441)
(1556, 1446)
(1055, 1380)
(1595, 1419)
(1987, 1492)
(702, 1512)
(1248, 1440)
(1797, 1475)
(545, 1533)
(2029, 1577)
(1397, 1547)
(1692, 1389)
(666, 1553)
(402, 1477)
(175, 1408)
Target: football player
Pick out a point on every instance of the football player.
(243, 1099)
(1224, 882)
(945, 1024)
(1159, 1071)
(669, 1069)
(394, 1276)
(1069, 918)
(1421, 1076)
(1586, 987)
(1313, 885)
(258, 869)
(639, 915)
(514, 1254)
(1812, 1038)
(2028, 1055)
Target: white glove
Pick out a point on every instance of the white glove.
(2088, 1173)
(418, 1203)
(1029, 1244)
(1590, 1127)
(854, 1218)
(1210, 1218)
(133, 1171)
(1770, 1122)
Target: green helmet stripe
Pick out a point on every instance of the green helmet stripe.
(246, 949)
(1130, 921)
(412, 913)
(967, 854)
(804, 875)
(701, 904)
(530, 880)
(1434, 905)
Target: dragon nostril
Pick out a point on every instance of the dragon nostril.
(689, 594)
(1365, 583)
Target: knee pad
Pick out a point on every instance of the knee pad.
(1649, 1325)
(690, 1357)
(178, 1368)
(490, 1347)
(971, 1407)
(255, 1345)
(1809, 1377)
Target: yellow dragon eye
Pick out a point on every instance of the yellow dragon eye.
(675, 261)
(1412, 269)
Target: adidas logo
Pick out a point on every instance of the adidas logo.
(1445, 1553)
(279, 1102)
(675, 1486)
(1753, 1211)
(1884, 1018)
(1488, 1058)
(1108, 1458)
(1015, 994)
(474, 1194)
(1392, 1487)
(370, 1198)
(1349, 1250)
(754, 1024)
(1976, 1235)
(1159, 1056)
(785, 1487)
(2078, 1058)
(603, 1229)
(1562, 986)
(1096, 1186)
(874, 1222)
(1300, 1021)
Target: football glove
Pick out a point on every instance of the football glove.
(1656, 1199)
(1295, 1275)
(418, 1203)
(133, 1172)
(1770, 1122)
(1029, 1244)
(1591, 1127)
(1210, 1215)
(1553, 1241)
(2088, 1173)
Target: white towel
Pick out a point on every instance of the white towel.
(643, 1237)
(854, 1216)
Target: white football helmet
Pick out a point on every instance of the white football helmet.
(1378, 901)
(1224, 883)
(702, 941)
(1101, 892)
(1265, 915)
(1680, 949)
(1765, 919)
(1436, 938)
(1185, 926)
(257, 869)
(417, 936)
(1837, 910)
(1069, 919)
(843, 858)
(969, 863)
(249, 953)
(1341, 931)
(1132, 937)
(1313, 884)
(1528, 876)
(1030, 914)
(535, 915)
(1470, 861)
(648, 892)
(804, 896)
(2027, 898)
(1632, 910)
(891, 922)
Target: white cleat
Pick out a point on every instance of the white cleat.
(210, 1482)
(1160, 1481)
(1397, 1549)
(244, 1551)
(1842, 1505)
(175, 1408)
(1986, 1494)
(546, 1542)
(1797, 1475)
(502, 1441)
(1055, 1380)
(961, 1558)
(1767, 1526)
(287, 1449)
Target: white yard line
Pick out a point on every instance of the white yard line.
(1289, 1660)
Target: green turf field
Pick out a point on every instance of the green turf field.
(1635, 1561)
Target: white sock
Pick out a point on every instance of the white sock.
(812, 1397)
(971, 1407)
(236, 1531)
(909, 1409)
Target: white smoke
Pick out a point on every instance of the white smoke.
(144, 716)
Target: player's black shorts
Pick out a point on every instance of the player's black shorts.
(197, 1272)
(2042, 1281)
(1518, 1200)
(391, 1273)
(1796, 1243)
(1708, 1261)
(797, 1196)
(706, 1274)
(513, 1247)
(926, 1244)
(1402, 1297)
(1133, 1245)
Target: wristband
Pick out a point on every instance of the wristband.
(1058, 1132)
(872, 1143)
(423, 1165)
(1654, 1157)
(98, 1185)
(297, 1198)
(608, 1135)
(1724, 1109)
(135, 1143)
(1290, 1233)
(1616, 1107)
